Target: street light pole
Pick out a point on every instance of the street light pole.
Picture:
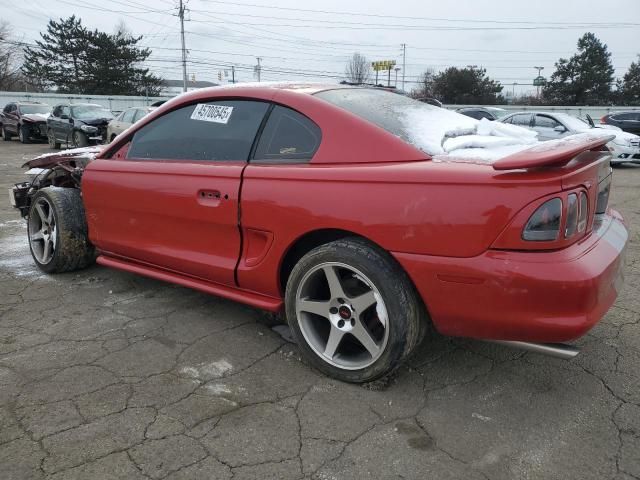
(397, 69)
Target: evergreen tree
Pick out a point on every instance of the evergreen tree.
(73, 59)
(584, 79)
(630, 86)
(466, 86)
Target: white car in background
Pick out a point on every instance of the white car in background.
(125, 120)
(551, 125)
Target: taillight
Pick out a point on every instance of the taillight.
(544, 224)
(603, 119)
(572, 215)
(584, 210)
(604, 187)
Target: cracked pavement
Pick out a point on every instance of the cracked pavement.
(107, 375)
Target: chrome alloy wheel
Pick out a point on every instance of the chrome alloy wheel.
(342, 316)
(42, 231)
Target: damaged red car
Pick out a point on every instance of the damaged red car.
(368, 218)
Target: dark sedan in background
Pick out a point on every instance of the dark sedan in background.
(78, 124)
(27, 120)
(627, 121)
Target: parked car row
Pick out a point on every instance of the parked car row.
(70, 124)
(625, 147)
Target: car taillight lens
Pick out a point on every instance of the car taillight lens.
(572, 215)
(544, 224)
(584, 210)
(603, 195)
(603, 119)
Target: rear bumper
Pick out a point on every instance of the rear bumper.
(528, 296)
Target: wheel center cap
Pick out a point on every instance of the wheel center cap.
(344, 312)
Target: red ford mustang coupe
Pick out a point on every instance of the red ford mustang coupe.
(367, 217)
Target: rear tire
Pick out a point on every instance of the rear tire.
(57, 231)
(372, 299)
(23, 134)
(6, 136)
(51, 138)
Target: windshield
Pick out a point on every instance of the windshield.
(29, 109)
(88, 112)
(573, 123)
(424, 126)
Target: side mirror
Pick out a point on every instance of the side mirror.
(560, 129)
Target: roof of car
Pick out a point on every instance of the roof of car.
(302, 87)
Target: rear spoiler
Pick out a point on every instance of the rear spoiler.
(553, 153)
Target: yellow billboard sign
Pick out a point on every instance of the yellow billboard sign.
(383, 65)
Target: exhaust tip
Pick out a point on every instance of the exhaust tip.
(558, 350)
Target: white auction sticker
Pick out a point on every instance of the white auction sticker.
(212, 113)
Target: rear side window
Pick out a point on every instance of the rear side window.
(218, 130)
(288, 135)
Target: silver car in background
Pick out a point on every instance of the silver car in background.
(552, 125)
(125, 120)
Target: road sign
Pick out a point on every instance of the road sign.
(383, 65)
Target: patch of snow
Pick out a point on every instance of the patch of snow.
(481, 417)
(218, 389)
(15, 257)
(205, 371)
(427, 128)
(91, 152)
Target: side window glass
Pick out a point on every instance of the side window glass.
(128, 115)
(288, 135)
(216, 130)
(521, 119)
(66, 111)
(543, 121)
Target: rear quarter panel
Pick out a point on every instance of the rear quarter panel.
(425, 207)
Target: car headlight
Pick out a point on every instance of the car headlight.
(88, 128)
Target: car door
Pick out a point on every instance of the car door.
(12, 118)
(549, 128)
(172, 200)
(63, 125)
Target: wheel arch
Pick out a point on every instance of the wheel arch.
(314, 238)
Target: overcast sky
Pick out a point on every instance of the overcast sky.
(313, 39)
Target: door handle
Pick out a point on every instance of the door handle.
(210, 198)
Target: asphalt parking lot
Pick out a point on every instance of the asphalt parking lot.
(107, 375)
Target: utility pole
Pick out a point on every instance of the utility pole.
(233, 74)
(397, 69)
(404, 65)
(184, 50)
(258, 67)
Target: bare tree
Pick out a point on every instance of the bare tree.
(358, 69)
(10, 58)
(425, 87)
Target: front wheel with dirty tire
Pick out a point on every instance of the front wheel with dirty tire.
(23, 134)
(79, 139)
(57, 231)
(353, 310)
(51, 138)
(6, 136)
